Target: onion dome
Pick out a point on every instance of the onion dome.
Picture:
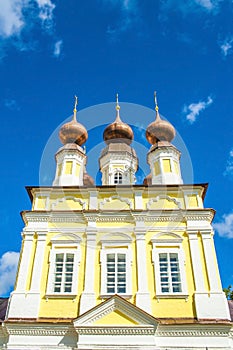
(73, 132)
(148, 180)
(87, 179)
(159, 130)
(118, 131)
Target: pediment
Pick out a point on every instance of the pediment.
(116, 311)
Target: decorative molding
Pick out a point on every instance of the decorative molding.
(146, 330)
(114, 237)
(39, 330)
(64, 199)
(110, 305)
(156, 199)
(70, 238)
(191, 333)
(176, 238)
(82, 217)
(110, 199)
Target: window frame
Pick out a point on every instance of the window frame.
(63, 248)
(111, 246)
(119, 179)
(169, 246)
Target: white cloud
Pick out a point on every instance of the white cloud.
(225, 227)
(226, 46)
(11, 18)
(11, 104)
(185, 7)
(57, 48)
(19, 17)
(229, 166)
(46, 8)
(8, 268)
(194, 109)
(129, 15)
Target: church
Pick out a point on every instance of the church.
(118, 265)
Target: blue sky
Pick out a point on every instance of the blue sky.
(51, 50)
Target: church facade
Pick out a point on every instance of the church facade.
(117, 266)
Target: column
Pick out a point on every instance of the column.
(38, 262)
(88, 299)
(25, 261)
(142, 295)
(138, 200)
(211, 263)
(25, 304)
(196, 262)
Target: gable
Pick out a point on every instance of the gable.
(115, 311)
(117, 318)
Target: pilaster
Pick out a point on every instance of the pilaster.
(142, 295)
(88, 299)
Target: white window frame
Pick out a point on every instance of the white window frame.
(116, 247)
(119, 179)
(61, 248)
(169, 246)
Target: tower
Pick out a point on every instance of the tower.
(163, 157)
(118, 160)
(118, 265)
(71, 158)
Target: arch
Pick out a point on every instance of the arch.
(116, 237)
(175, 237)
(74, 199)
(158, 198)
(62, 238)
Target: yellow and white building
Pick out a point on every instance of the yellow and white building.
(118, 266)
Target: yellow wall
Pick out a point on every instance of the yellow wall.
(167, 307)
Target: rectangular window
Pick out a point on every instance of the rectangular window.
(167, 166)
(157, 168)
(116, 273)
(169, 273)
(63, 274)
(68, 167)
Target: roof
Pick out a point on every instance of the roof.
(3, 308)
(230, 304)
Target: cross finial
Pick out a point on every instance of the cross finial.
(156, 102)
(75, 102)
(75, 106)
(117, 103)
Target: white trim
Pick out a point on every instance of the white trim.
(169, 198)
(195, 259)
(61, 200)
(103, 260)
(68, 248)
(25, 261)
(172, 246)
(110, 199)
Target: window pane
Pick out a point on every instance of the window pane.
(63, 276)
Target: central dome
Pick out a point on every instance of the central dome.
(118, 131)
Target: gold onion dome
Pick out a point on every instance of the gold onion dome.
(159, 130)
(73, 132)
(87, 179)
(118, 131)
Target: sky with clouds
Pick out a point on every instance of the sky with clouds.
(51, 50)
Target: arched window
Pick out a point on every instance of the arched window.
(117, 178)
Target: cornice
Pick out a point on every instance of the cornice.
(143, 330)
(132, 216)
(192, 333)
(39, 330)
